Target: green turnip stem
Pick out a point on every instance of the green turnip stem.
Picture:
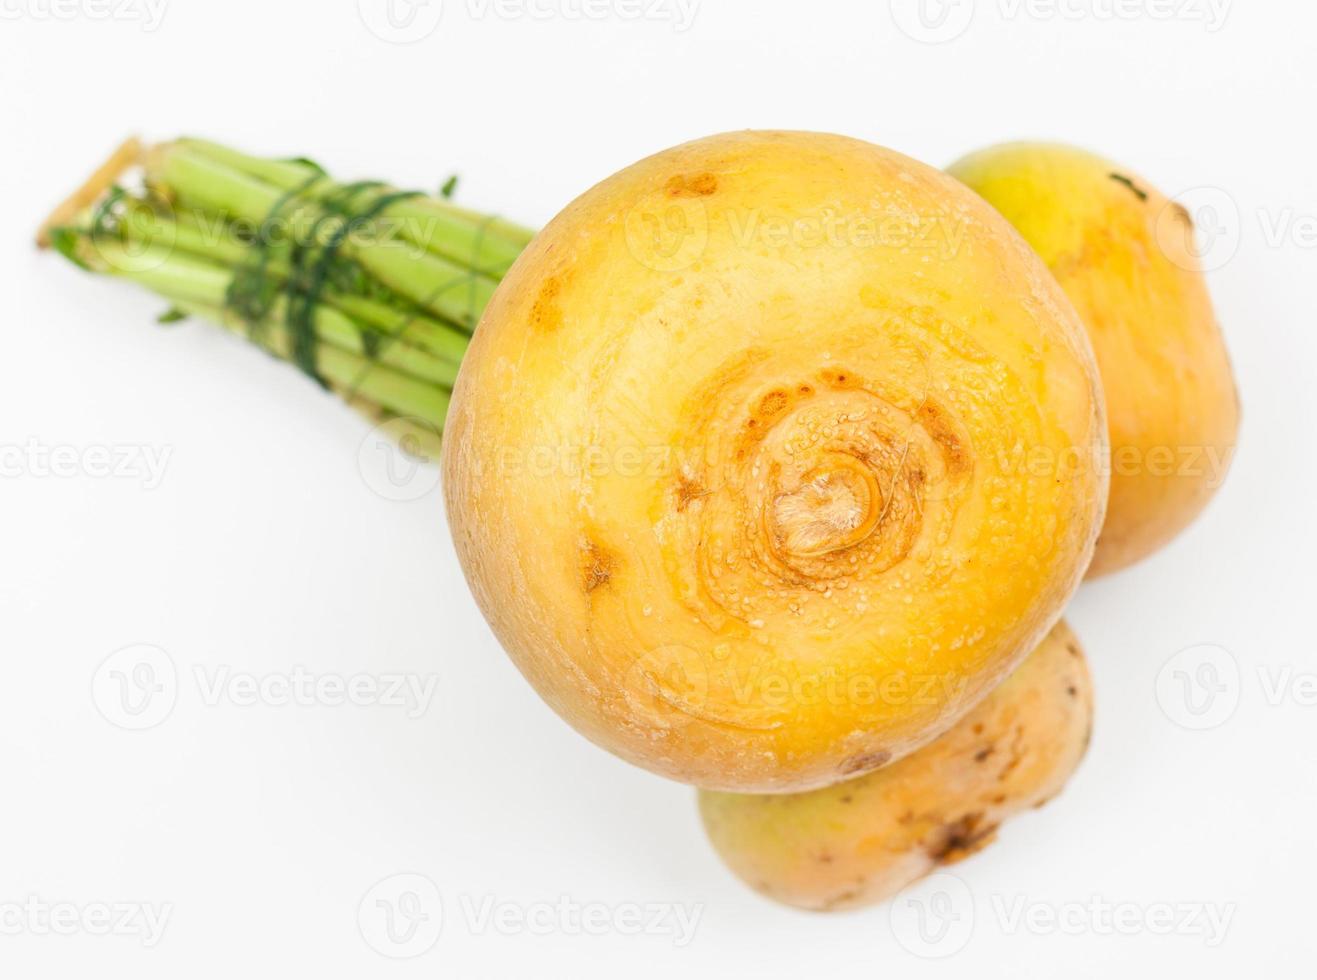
(219, 245)
(447, 289)
(350, 375)
(489, 242)
(401, 378)
(372, 292)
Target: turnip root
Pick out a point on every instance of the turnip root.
(1126, 257)
(734, 461)
(859, 842)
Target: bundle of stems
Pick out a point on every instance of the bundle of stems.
(371, 291)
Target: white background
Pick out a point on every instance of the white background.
(262, 829)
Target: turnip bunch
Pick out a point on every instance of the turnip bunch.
(826, 427)
(804, 569)
(371, 291)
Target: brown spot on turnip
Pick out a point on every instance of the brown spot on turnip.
(771, 405)
(838, 379)
(597, 566)
(942, 430)
(688, 491)
(693, 185)
(841, 898)
(545, 313)
(962, 838)
(864, 763)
